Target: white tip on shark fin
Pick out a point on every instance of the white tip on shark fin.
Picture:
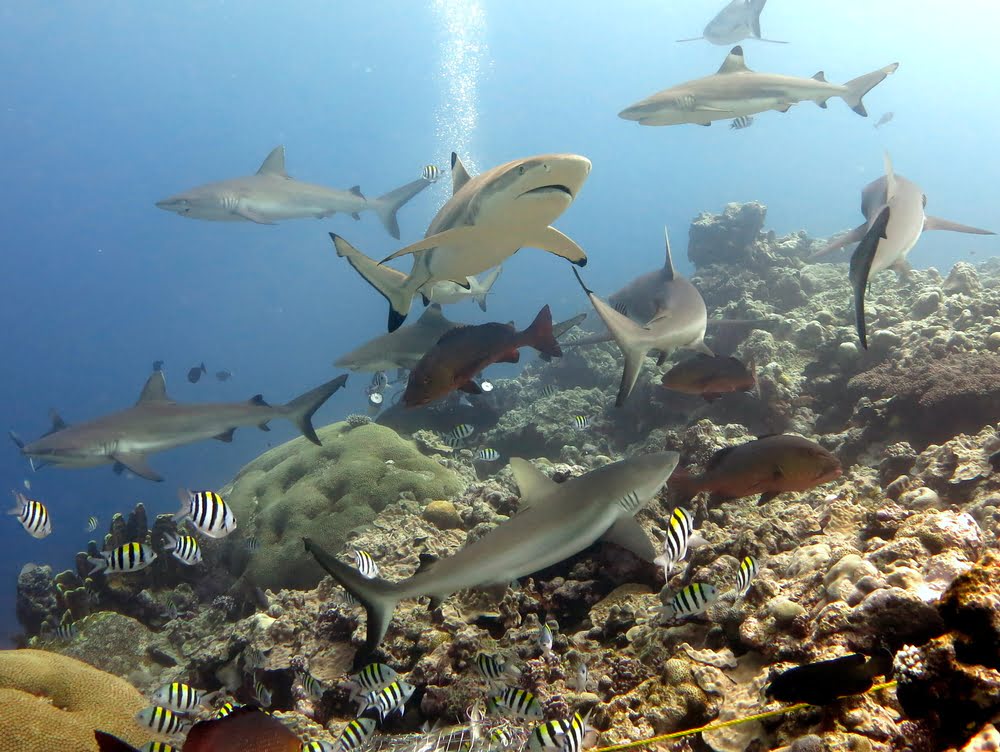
(668, 264)
(890, 177)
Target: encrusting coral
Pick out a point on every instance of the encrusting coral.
(52, 702)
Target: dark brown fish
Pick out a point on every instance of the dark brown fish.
(767, 466)
(825, 681)
(463, 352)
(246, 729)
(195, 373)
(710, 376)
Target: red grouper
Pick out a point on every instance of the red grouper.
(463, 352)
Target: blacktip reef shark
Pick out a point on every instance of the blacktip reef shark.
(739, 20)
(156, 423)
(487, 219)
(271, 196)
(887, 237)
(677, 318)
(909, 220)
(402, 348)
(735, 90)
(556, 521)
(452, 292)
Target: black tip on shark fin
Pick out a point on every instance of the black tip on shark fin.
(584, 286)
(301, 409)
(582, 262)
(18, 441)
(396, 319)
(861, 265)
(454, 158)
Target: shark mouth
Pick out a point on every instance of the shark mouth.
(541, 190)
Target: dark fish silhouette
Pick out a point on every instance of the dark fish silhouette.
(710, 376)
(826, 681)
(195, 373)
(157, 365)
(224, 375)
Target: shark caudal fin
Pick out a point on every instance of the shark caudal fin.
(378, 596)
(539, 334)
(858, 87)
(397, 288)
(300, 410)
(861, 265)
(386, 206)
(486, 286)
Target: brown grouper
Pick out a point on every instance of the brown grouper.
(767, 466)
(710, 376)
(463, 352)
(246, 729)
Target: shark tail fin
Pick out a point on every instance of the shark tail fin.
(300, 410)
(377, 596)
(18, 441)
(386, 206)
(397, 288)
(861, 265)
(858, 87)
(487, 285)
(539, 335)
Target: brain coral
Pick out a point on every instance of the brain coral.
(325, 492)
(51, 702)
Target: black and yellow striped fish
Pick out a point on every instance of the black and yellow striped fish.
(207, 511)
(160, 720)
(185, 548)
(128, 558)
(32, 515)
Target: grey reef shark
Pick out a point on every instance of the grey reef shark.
(893, 207)
(486, 220)
(735, 90)
(739, 20)
(270, 196)
(155, 423)
(555, 522)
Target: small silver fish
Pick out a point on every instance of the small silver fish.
(388, 700)
(884, 119)
(253, 543)
(743, 121)
(262, 693)
(32, 515)
(545, 639)
(487, 454)
(581, 422)
(431, 173)
(581, 676)
(549, 389)
(694, 599)
(160, 720)
(92, 524)
(745, 575)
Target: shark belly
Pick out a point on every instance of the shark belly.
(906, 223)
(466, 260)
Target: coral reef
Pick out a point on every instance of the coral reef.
(49, 702)
(325, 492)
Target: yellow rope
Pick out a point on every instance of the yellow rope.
(721, 725)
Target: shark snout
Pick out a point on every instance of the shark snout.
(174, 204)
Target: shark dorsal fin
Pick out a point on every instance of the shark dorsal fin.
(155, 389)
(531, 482)
(58, 423)
(820, 77)
(431, 316)
(459, 175)
(668, 262)
(258, 400)
(890, 178)
(274, 164)
(734, 62)
(356, 190)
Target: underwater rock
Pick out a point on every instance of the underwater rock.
(442, 514)
(36, 598)
(51, 702)
(325, 492)
(726, 238)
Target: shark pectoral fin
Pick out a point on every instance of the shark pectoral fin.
(890, 178)
(454, 236)
(264, 426)
(226, 436)
(551, 240)
(861, 264)
(253, 216)
(836, 244)
(629, 534)
(531, 482)
(633, 364)
(701, 347)
(355, 216)
(937, 223)
(397, 288)
(136, 462)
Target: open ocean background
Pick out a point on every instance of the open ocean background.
(105, 108)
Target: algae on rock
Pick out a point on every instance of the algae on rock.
(325, 492)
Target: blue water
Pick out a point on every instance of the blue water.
(106, 108)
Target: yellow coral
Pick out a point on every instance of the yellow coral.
(52, 702)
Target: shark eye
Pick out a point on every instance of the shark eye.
(520, 170)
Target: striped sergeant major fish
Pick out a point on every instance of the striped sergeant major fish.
(160, 720)
(32, 515)
(675, 544)
(253, 658)
(500, 739)
(185, 548)
(388, 700)
(371, 678)
(457, 436)
(379, 382)
(313, 687)
(744, 577)
(495, 669)
(226, 709)
(207, 511)
(354, 735)
(694, 599)
(182, 698)
(320, 745)
(515, 703)
(431, 173)
(253, 543)
(487, 454)
(743, 121)
(261, 692)
(92, 524)
(366, 567)
(580, 422)
(159, 747)
(545, 639)
(66, 631)
(128, 558)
